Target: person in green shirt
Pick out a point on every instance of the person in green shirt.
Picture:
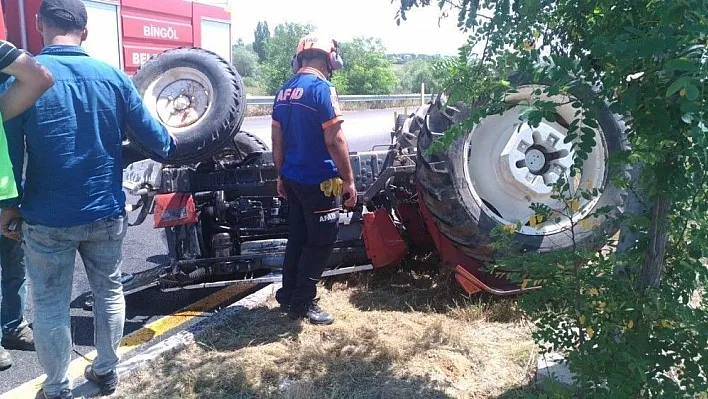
(31, 81)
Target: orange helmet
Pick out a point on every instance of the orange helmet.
(327, 46)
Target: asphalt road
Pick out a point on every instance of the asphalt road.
(144, 248)
(363, 129)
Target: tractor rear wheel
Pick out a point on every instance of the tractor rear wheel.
(492, 174)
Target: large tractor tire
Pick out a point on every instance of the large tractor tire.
(408, 128)
(492, 174)
(245, 147)
(248, 143)
(197, 96)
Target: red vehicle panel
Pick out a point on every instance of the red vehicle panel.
(146, 27)
(136, 55)
(21, 24)
(384, 244)
(156, 30)
(148, 32)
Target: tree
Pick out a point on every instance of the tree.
(279, 52)
(624, 334)
(260, 42)
(417, 72)
(244, 59)
(366, 69)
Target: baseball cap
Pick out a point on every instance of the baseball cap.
(69, 14)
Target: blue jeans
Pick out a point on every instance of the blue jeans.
(12, 284)
(50, 254)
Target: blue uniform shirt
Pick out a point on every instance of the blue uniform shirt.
(73, 136)
(305, 106)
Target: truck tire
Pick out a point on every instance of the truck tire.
(247, 143)
(408, 128)
(471, 187)
(244, 149)
(198, 96)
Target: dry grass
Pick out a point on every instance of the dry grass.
(398, 334)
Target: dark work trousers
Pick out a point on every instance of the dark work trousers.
(314, 224)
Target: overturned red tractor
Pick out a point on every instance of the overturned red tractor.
(217, 202)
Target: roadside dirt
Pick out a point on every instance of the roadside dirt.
(398, 334)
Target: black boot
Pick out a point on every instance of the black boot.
(317, 316)
(312, 312)
(106, 383)
(63, 394)
(5, 359)
(283, 300)
(21, 339)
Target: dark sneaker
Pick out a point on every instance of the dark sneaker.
(21, 339)
(283, 301)
(316, 315)
(106, 383)
(5, 359)
(313, 313)
(63, 394)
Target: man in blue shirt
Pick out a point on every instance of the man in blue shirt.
(72, 199)
(312, 159)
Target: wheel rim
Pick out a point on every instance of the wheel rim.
(525, 161)
(180, 98)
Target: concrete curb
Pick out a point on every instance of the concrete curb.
(179, 341)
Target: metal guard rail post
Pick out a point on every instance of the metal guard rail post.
(268, 100)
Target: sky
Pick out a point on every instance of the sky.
(345, 19)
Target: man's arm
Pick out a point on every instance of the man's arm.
(31, 80)
(331, 118)
(151, 133)
(339, 151)
(276, 136)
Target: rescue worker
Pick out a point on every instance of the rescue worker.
(72, 200)
(31, 80)
(314, 173)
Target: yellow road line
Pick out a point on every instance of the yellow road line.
(150, 331)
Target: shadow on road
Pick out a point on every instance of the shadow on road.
(82, 329)
(140, 308)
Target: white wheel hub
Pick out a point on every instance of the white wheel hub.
(509, 165)
(179, 98)
(534, 161)
(536, 158)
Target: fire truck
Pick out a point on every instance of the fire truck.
(126, 33)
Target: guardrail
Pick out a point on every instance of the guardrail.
(268, 100)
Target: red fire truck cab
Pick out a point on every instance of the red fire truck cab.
(126, 33)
